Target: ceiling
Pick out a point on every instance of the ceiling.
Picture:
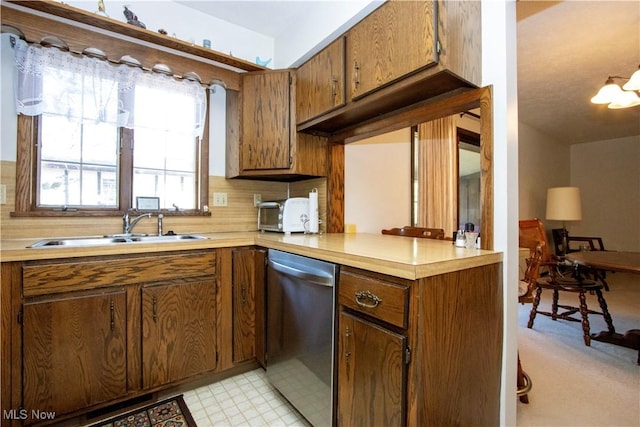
(566, 51)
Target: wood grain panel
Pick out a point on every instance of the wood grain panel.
(224, 313)
(394, 40)
(335, 189)
(372, 374)
(460, 36)
(486, 167)
(394, 299)
(244, 304)
(460, 347)
(178, 331)
(11, 333)
(310, 155)
(266, 120)
(23, 185)
(320, 85)
(49, 277)
(77, 38)
(76, 354)
(233, 117)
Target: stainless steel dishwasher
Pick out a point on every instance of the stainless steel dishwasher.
(300, 316)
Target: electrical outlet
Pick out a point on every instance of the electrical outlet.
(257, 198)
(3, 194)
(219, 199)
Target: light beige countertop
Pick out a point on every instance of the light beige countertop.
(405, 257)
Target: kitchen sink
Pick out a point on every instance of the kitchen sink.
(114, 240)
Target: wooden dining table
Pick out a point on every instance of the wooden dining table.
(612, 261)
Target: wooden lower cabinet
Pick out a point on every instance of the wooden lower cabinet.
(75, 351)
(372, 374)
(178, 331)
(90, 332)
(425, 352)
(248, 276)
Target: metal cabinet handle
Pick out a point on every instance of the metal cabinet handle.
(155, 309)
(113, 315)
(356, 75)
(367, 299)
(334, 88)
(347, 353)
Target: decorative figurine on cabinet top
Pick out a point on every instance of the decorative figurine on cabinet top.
(101, 9)
(132, 18)
(261, 62)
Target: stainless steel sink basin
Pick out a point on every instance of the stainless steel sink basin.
(113, 240)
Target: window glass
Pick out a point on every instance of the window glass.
(165, 151)
(106, 134)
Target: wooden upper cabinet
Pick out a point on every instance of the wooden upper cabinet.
(321, 82)
(396, 39)
(74, 350)
(266, 120)
(262, 141)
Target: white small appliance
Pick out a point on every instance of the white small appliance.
(284, 216)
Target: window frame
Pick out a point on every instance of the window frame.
(29, 132)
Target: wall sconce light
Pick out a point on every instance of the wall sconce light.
(617, 97)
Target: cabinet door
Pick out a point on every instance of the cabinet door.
(320, 82)
(74, 351)
(394, 40)
(178, 331)
(371, 374)
(248, 304)
(266, 121)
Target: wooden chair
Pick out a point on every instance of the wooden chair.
(593, 243)
(526, 289)
(408, 231)
(558, 282)
(532, 232)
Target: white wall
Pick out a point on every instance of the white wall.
(499, 70)
(377, 182)
(543, 163)
(608, 175)
(306, 36)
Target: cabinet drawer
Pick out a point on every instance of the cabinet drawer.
(383, 300)
(40, 278)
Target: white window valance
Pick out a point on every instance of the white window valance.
(80, 85)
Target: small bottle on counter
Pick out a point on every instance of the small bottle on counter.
(460, 239)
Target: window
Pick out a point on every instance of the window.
(107, 134)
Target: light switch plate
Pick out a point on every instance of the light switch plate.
(3, 194)
(219, 199)
(257, 198)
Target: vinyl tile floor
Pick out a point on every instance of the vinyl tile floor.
(246, 400)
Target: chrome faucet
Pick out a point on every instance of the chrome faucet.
(128, 223)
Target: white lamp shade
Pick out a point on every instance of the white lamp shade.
(634, 82)
(607, 93)
(624, 99)
(563, 204)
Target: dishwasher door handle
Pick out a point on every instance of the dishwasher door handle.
(324, 280)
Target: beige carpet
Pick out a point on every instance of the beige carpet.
(576, 385)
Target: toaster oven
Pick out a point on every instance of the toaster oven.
(284, 216)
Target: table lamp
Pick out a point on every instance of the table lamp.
(563, 204)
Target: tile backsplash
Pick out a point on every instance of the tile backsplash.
(239, 215)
